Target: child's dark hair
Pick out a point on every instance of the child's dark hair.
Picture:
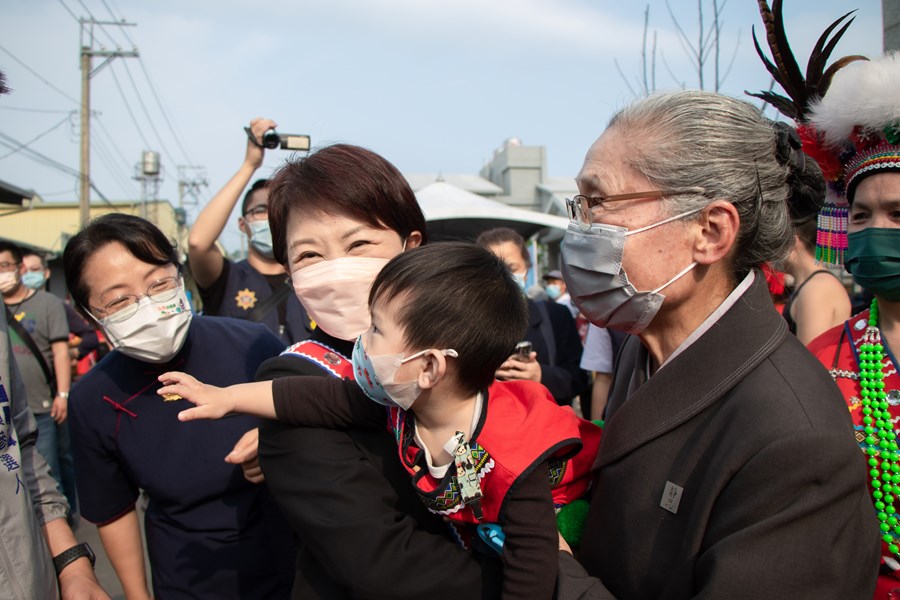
(456, 295)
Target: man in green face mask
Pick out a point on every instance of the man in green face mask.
(857, 127)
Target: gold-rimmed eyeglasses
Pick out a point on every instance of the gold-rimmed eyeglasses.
(580, 207)
(125, 306)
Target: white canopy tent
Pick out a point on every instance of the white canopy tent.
(454, 213)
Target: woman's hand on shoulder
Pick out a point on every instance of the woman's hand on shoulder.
(211, 402)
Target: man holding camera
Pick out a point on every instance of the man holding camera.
(257, 289)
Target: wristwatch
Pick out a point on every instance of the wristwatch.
(63, 395)
(62, 560)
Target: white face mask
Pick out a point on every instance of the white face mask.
(155, 333)
(8, 281)
(335, 293)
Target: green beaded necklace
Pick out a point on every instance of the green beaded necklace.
(881, 439)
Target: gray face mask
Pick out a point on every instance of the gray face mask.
(597, 283)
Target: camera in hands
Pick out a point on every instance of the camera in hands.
(286, 141)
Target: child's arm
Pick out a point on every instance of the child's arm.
(325, 402)
(297, 400)
(531, 538)
(215, 402)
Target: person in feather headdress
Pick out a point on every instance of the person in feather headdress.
(818, 300)
(859, 124)
(849, 120)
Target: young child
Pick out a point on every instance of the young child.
(444, 317)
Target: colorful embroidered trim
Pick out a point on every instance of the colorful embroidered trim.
(881, 156)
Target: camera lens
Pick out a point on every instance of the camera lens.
(271, 139)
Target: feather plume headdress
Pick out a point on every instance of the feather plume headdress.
(859, 120)
(803, 93)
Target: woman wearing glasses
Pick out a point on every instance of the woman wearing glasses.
(728, 467)
(210, 532)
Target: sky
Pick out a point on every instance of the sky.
(435, 87)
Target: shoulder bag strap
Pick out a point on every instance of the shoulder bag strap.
(32, 347)
(261, 310)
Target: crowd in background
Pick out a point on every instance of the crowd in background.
(355, 411)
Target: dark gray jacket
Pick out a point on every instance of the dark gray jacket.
(732, 472)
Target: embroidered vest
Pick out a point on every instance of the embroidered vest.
(840, 354)
(838, 350)
(520, 427)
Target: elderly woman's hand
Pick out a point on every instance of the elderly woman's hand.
(516, 368)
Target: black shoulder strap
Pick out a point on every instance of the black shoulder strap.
(837, 350)
(32, 347)
(261, 310)
(547, 331)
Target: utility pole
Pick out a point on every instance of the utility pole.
(87, 72)
(188, 186)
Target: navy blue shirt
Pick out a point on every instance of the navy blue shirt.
(210, 533)
(240, 288)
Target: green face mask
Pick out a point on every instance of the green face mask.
(873, 258)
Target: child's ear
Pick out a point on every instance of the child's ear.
(435, 369)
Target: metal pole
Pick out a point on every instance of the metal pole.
(85, 199)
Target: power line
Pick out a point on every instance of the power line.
(98, 24)
(33, 72)
(128, 107)
(147, 114)
(69, 10)
(156, 96)
(59, 193)
(36, 110)
(10, 142)
(37, 156)
(164, 112)
(114, 18)
(123, 181)
(37, 137)
(111, 139)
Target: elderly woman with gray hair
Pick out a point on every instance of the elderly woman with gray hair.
(728, 467)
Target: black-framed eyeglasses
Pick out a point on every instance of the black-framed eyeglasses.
(125, 306)
(258, 212)
(580, 207)
(8, 266)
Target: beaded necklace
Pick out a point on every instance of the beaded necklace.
(882, 450)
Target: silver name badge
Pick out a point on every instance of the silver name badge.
(671, 497)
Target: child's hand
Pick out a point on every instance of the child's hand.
(212, 402)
